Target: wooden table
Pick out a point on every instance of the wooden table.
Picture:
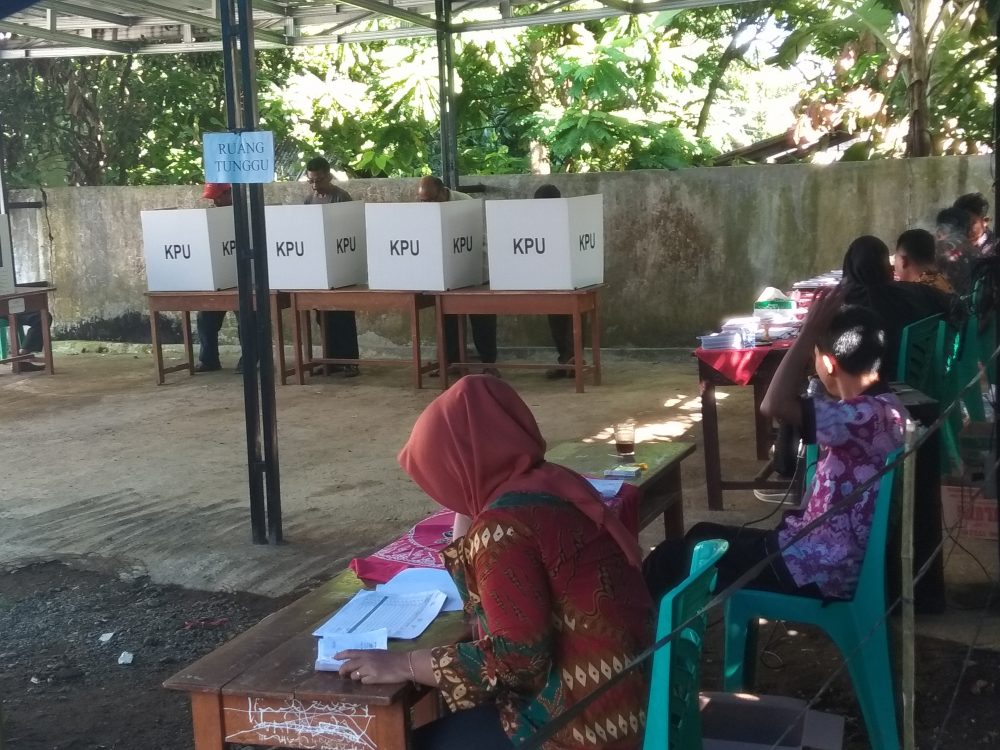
(27, 299)
(660, 483)
(481, 300)
(227, 300)
(367, 300)
(261, 688)
(708, 380)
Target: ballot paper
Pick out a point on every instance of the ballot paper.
(420, 580)
(330, 645)
(608, 488)
(402, 615)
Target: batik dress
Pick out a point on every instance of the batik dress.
(560, 612)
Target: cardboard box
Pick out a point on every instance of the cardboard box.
(429, 247)
(556, 243)
(740, 721)
(965, 508)
(6, 257)
(316, 246)
(189, 250)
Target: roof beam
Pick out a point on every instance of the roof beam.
(72, 9)
(184, 16)
(619, 5)
(63, 37)
(389, 10)
(270, 7)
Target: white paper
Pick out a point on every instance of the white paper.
(607, 487)
(421, 580)
(329, 646)
(402, 616)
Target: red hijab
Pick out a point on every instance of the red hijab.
(479, 440)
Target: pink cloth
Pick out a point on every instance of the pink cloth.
(738, 365)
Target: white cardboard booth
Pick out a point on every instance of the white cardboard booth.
(430, 247)
(319, 246)
(190, 249)
(545, 244)
(6, 257)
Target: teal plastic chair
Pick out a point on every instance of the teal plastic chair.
(961, 356)
(673, 717)
(858, 627)
(5, 337)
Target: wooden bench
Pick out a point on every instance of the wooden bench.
(261, 687)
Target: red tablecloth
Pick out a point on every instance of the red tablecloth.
(421, 546)
(738, 365)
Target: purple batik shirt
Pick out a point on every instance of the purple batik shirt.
(855, 437)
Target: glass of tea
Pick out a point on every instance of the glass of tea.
(625, 440)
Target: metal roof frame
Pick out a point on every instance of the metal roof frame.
(74, 28)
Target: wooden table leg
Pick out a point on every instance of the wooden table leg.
(297, 315)
(578, 347)
(673, 515)
(15, 344)
(595, 341)
(46, 317)
(710, 433)
(441, 346)
(418, 381)
(154, 337)
(392, 725)
(188, 346)
(279, 339)
(206, 715)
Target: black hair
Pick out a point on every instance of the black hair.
(317, 164)
(919, 246)
(436, 181)
(855, 339)
(974, 203)
(958, 220)
(866, 262)
(548, 191)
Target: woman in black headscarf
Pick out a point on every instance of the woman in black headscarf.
(868, 281)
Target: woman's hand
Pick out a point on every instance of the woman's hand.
(375, 667)
(824, 306)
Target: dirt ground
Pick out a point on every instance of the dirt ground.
(125, 513)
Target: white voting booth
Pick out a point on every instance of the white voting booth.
(318, 246)
(429, 247)
(6, 257)
(189, 250)
(545, 244)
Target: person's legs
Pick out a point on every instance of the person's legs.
(451, 338)
(342, 338)
(209, 323)
(33, 338)
(477, 727)
(484, 336)
(561, 328)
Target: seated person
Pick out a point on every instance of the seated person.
(915, 261)
(976, 205)
(32, 343)
(955, 251)
(556, 590)
(857, 426)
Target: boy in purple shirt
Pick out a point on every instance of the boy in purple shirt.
(857, 424)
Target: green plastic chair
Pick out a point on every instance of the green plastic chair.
(961, 356)
(5, 337)
(673, 716)
(858, 627)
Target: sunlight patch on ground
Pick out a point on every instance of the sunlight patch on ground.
(685, 413)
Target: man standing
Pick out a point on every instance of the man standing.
(484, 327)
(209, 322)
(341, 325)
(976, 205)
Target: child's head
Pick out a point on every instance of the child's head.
(850, 351)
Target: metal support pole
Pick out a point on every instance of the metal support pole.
(908, 672)
(994, 390)
(446, 94)
(254, 295)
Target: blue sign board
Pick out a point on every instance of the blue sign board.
(239, 157)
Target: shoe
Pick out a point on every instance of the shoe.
(30, 367)
(777, 496)
(557, 373)
(492, 371)
(202, 367)
(351, 371)
(239, 367)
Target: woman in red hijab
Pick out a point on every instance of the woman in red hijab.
(551, 578)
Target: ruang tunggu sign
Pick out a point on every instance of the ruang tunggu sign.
(239, 157)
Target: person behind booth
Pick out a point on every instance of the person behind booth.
(857, 423)
(484, 327)
(209, 322)
(556, 592)
(560, 326)
(341, 325)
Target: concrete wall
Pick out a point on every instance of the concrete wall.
(683, 249)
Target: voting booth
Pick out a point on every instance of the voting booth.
(319, 246)
(6, 257)
(545, 244)
(430, 247)
(189, 250)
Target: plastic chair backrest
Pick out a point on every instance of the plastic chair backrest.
(673, 716)
(917, 346)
